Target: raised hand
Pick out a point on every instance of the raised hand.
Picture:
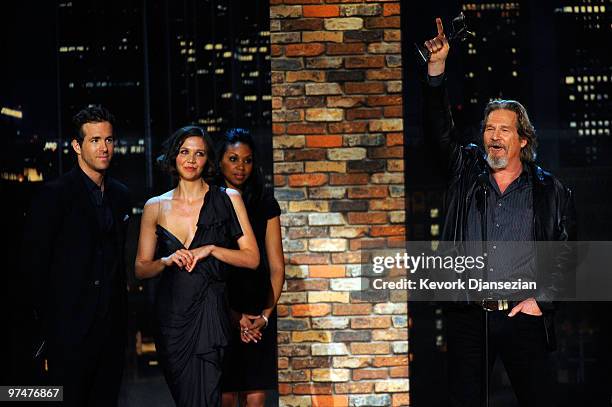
(438, 47)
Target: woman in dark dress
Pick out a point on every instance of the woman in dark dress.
(191, 235)
(251, 362)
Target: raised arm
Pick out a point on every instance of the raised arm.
(437, 118)
(146, 266)
(247, 256)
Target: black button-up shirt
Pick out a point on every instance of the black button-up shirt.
(511, 250)
(104, 213)
(104, 253)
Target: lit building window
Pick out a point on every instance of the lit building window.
(18, 114)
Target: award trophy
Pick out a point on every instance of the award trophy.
(459, 33)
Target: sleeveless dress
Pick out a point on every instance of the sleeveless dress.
(254, 366)
(192, 309)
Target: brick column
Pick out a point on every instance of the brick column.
(338, 172)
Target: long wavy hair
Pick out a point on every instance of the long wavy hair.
(524, 127)
(172, 146)
(253, 187)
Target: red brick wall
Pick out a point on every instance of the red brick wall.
(338, 152)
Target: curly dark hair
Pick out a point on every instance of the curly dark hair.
(173, 145)
(253, 189)
(90, 114)
(524, 127)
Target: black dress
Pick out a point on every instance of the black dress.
(192, 308)
(253, 366)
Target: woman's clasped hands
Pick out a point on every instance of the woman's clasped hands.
(251, 327)
(188, 259)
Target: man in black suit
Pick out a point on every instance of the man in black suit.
(74, 250)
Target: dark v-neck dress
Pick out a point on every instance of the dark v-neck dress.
(192, 308)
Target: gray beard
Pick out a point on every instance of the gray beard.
(497, 163)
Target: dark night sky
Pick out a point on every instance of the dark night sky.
(28, 62)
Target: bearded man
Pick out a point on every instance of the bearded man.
(523, 203)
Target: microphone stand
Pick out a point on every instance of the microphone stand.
(483, 180)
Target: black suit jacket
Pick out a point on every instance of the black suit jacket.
(62, 237)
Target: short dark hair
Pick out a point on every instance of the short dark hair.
(90, 114)
(523, 125)
(173, 145)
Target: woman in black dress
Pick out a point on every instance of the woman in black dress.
(190, 235)
(251, 362)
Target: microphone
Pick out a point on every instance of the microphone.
(483, 181)
(481, 198)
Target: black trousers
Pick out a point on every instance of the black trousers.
(520, 343)
(91, 371)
